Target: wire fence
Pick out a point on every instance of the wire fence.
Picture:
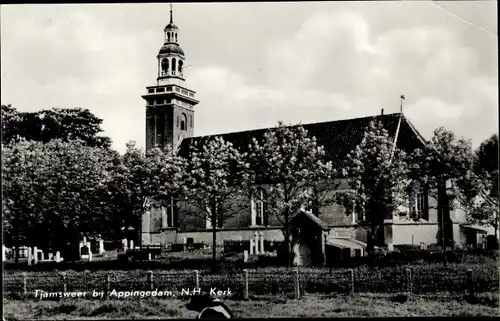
(291, 283)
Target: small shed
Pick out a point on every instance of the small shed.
(475, 236)
(308, 239)
(340, 249)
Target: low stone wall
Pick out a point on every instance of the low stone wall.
(245, 234)
(414, 233)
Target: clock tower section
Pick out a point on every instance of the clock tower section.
(169, 104)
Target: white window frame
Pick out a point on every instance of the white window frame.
(254, 205)
(418, 204)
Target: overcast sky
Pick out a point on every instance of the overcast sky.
(253, 64)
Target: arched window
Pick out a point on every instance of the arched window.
(173, 66)
(180, 67)
(183, 122)
(169, 213)
(176, 37)
(419, 205)
(164, 66)
(160, 132)
(259, 208)
(168, 36)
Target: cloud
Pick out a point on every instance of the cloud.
(295, 62)
(334, 68)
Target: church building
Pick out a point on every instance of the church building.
(170, 121)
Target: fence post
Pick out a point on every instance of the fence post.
(470, 283)
(246, 294)
(150, 280)
(296, 283)
(25, 289)
(197, 278)
(351, 275)
(63, 275)
(108, 284)
(408, 283)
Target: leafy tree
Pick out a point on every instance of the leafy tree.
(485, 208)
(444, 169)
(216, 178)
(54, 192)
(11, 121)
(45, 125)
(127, 191)
(378, 187)
(138, 177)
(22, 166)
(292, 163)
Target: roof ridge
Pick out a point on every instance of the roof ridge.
(299, 124)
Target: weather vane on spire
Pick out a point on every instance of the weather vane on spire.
(171, 15)
(402, 98)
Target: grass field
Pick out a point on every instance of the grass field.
(371, 283)
(306, 307)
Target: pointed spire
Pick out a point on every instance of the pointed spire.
(171, 14)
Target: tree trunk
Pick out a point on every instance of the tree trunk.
(370, 246)
(496, 225)
(442, 216)
(214, 236)
(287, 239)
(16, 252)
(380, 235)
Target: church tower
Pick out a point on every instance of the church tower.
(169, 104)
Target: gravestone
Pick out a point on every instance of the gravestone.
(101, 246)
(30, 256)
(256, 242)
(35, 255)
(84, 250)
(262, 243)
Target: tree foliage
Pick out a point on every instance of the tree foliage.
(444, 168)
(485, 208)
(54, 193)
(216, 177)
(377, 180)
(292, 162)
(139, 181)
(65, 124)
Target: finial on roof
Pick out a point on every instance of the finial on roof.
(402, 98)
(171, 14)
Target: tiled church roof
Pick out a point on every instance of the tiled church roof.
(338, 137)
